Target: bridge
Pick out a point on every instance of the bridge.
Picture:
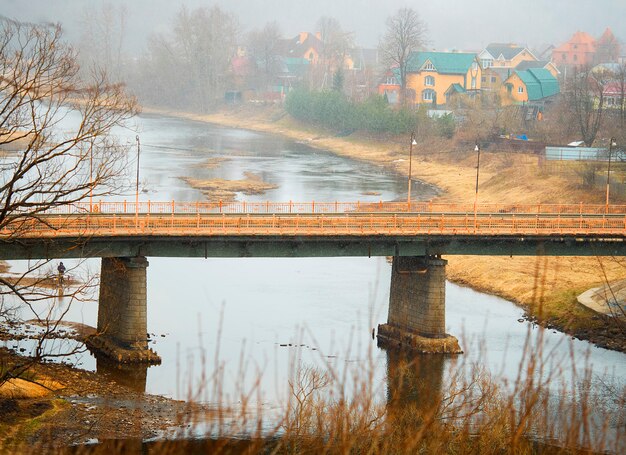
(416, 235)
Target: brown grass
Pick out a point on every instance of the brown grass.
(225, 190)
(20, 389)
(424, 411)
(213, 163)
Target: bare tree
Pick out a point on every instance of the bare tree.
(102, 38)
(57, 128)
(192, 66)
(263, 48)
(405, 33)
(336, 43)
(585, 96)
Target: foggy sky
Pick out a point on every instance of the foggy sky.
(452, 24)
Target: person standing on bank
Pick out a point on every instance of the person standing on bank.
(61, 270)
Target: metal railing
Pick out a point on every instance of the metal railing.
(438, 219)
(314, 207)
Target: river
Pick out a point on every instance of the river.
(248, 318)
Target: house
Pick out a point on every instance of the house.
(607, 48)
(498, 61)
(534, 85)
(614, 94)
(430, 75)
(546, 64)
(362, 75)
(578, 51)
(389, 86)
(507, 55)
(493, 78)
(305, 45)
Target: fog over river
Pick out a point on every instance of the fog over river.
(264, 316)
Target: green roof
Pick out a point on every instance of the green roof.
(444, 62)
(539, 82)
(455, 88)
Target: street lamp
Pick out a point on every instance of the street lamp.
(612, 144)
(477, 150)
(137, 184)
(412, 143)
(91, 178)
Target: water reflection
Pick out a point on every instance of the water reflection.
(133, 376)
(414, 382)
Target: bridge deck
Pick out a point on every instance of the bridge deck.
(360, 229)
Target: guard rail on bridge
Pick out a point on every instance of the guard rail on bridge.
(320, 219)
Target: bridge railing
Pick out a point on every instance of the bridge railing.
(317, 224)
(151, 207)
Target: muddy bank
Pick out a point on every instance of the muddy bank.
(544, 287)
(87, 407)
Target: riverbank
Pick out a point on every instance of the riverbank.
(545, 286)
(58, 406)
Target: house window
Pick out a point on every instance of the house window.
(391, 81)
(610, 101)
(475, 66)
(429, 81)
(473, 82)
(428, 95)
(493, 79)
(486, 62)
(429, 66)
(483, 79)
(575, 57)
(520, 89)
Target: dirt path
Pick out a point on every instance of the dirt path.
(545, 286)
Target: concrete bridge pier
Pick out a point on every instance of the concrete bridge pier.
(122, 311)
(417, 307)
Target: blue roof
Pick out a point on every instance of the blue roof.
(539, 82)
(443, 62)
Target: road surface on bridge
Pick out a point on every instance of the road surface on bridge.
(317, 229)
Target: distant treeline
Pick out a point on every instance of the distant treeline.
(333, 110)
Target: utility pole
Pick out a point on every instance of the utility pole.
(412, 143)
(137, 184)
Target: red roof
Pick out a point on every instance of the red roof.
(607, 37)
(583, 40)
(613, 89)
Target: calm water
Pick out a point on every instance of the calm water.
(245, 318)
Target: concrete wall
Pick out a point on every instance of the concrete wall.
(122, 311)
(417, 297)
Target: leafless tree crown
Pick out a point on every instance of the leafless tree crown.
(405, 33)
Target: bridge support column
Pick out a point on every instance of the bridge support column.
(122, 311)
(417, 307)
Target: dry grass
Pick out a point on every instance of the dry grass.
(20, 389)
(225, 190)
(424, 411)
(213, 163)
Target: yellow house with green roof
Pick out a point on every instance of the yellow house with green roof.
(433, 77)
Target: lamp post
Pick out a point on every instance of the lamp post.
(612, 144)
(412, 143)
(91, 178)
(477, 150)
(137, 184)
